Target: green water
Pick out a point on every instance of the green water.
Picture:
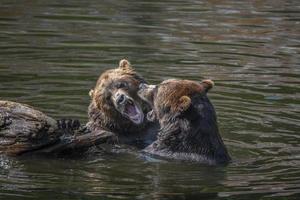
(51, 53)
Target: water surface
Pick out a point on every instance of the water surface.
(51, 53)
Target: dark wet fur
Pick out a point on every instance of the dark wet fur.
(103, 115)
(192, 135)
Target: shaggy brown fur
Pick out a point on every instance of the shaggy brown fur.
(103, 113)
(189, 129)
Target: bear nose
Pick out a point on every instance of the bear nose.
(121, 99)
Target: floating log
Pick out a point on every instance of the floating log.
(23, 129)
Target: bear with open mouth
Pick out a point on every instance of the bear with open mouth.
(188, 122)
(116, 107)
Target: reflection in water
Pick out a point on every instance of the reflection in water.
(51, 54)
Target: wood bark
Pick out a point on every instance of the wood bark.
(23, 129)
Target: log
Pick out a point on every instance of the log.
(24, 129)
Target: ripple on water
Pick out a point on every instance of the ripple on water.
(52, 53)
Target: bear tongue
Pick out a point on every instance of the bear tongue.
(134, 114)
(131, 110)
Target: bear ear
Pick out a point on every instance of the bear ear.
(91, 93)
(208, 84)
(184, 103)
(124, 64)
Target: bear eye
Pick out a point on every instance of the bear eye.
(121, 85)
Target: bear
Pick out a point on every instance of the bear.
(188, 122)
(116, 107)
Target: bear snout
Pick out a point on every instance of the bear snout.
(121, 98)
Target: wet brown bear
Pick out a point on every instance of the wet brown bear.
(116, 107)
(188, 121)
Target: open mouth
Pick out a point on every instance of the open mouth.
(133, 112)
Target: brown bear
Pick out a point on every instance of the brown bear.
(188, 123)
(116, 107)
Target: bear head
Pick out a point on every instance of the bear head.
(172, 97)
(115, 104)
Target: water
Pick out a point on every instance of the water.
(51, 53)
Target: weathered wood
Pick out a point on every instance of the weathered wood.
(24, 129)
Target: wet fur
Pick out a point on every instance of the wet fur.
(102, 113)
(190, 134)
